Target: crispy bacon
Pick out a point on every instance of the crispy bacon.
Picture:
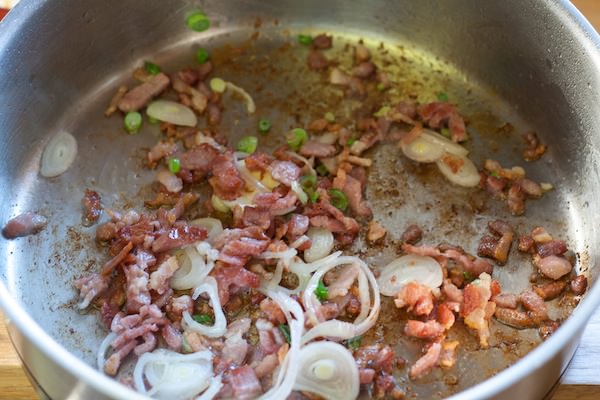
(423, 330)
(427, 362)
(417, 298)
(141, 95)
(25, 224)
(231, 278)
(437, 114)
(227, 183)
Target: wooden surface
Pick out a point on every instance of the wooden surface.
(576, 384)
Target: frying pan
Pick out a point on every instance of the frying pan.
(535, 65)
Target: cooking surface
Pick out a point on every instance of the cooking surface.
(573, 376)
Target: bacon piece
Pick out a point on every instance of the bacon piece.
(276, 203)
(366, 375)
(448, 354)
(477, 309)
(554, 267)
(179, 235)
(25, 224)
(352, 188)
(285, 172)
(91, 206)
(172, 337)
(266, 366)
(550, 290)
(90, 287)
(506, 300)
(231, 278)
(551, 248)
(536, 312)
(438, 113)
(317, 60)
(238, 246)
(426, 363)
(452, 292)
(159, 279)
(199, 158)
(364, 70)
(108, 267)
(141, 95)
(159, 151)
(375, 232)
(579, 285)
(258, 162)
(322, 41)
(313, 148)
(137, 291)
(417, 298)
(496, 248)
(227, 183)
(272, 311)
(244, 382)
(534, 149)
(178, 305)
(423, 330)
(378, 357)
(516, 200)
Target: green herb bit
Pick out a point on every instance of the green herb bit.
(495, 174)
(446, 132)
(468, 276)
(218, 85)
(308, 182)
(380, 87)
(197, 21)
(132, 122)
(382, 112)
(248, 144)
(296, 138)
(264, 125)
(354, 343)
(338, 199)
(321, 291)
(329, 116)
(204, 319)
(306, 40)
(174, 165)
(351, 141)
(322, 170)
(202, 55)
(151, 68)
(442, 96)
(285, 331)
(314, 196)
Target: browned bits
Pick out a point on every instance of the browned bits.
(322, 41)
(548, 329)
(525, 243)
(534, 149)
(550, 290)
(412, 234)
(579, 285)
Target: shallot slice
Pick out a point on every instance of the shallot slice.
(58, 155)
(172, 112)
(409, 268)
(459, 170)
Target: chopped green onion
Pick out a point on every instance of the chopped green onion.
(151, 68)
(445, 132)
(218, 85)
(380, 87)
(382, 112)
(174, 165)
(296, 138)
(197, 21)
(247, 144)
(354, 343)
(308, 182)
(495, 174)
(351, 141)
(305, 39)
(321, 291)
(314, 196)
(264, 125)
(338, 199)
(285, 331)
(441, 96)
(132, 122)
(468, 276)
(204, 319)
(202, 55)
(322, 170)
(329, 116)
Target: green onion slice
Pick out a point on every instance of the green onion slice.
(296, 138)
(247, 144)
(197, 21)
(338, 199)
(132, 122)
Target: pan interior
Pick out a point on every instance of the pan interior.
(271, 66)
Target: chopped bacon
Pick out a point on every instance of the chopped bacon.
(438, 113)
(314, 148)
(353, 189)
(227, 183)
(178, 305)
(534, 149)
(285, 172)
(276, 203)
(266, 366)
(297, 226)
(378, 357)
(452, 292)
(375, 232)
(470, 264)
(238, 246)
(141, 95)
(550, 290)
(364, 70)
(448, 354)
(525, 243)
(25, 224)
(244, 382)
(159, 279)
(496, 247)
(317, 60)
(199, 158)
(322, 41)
(412, 234)
(272, 311)
(476, 307)
(179, 235)
(506, 300)
(423, 330)
(91, 206)
(445, 316)
(534, 315)
(137, 291)
(270, 337)
(342, 281)
(417, 298)
(366, 375)
(554, 267)
(551, 248)
(90, 287)
(258, 161)
(160, 150)
(579, 284)
(231, 278)
(427, 362)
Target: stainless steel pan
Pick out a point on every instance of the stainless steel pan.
(535, 65)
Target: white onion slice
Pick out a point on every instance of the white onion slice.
(58, 155)
(219, 328)
(249, 179)
(195, 263)
(202, 138)
(302, 196)
(106, 343)
(173, 375)
(423, 150)
(172, 112)
(250, 106)
(213, 226)
(329, 370)
(343, 330)
(450, 146)
(322, 244)
(288, 371)
(216, 384)
(466, 176)
(308, 163)
(409, 268)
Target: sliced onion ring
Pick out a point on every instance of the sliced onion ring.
(409, 268)
(172, 112)
(466, 175)
(447, 144)
(321, 244)
(423, 149)
(218, 329)
(58, 155)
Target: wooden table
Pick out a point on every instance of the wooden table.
(574, 385)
